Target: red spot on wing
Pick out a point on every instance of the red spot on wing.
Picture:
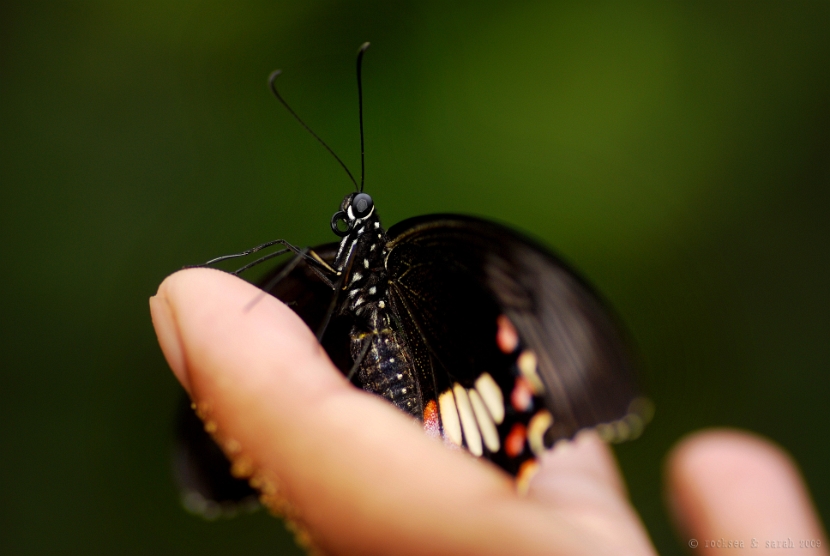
(522, 395)
(514, 444)
(506, 336)
(432, 422)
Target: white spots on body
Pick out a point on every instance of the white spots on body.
(472, 436)
(391, 359)
(449, 417)
(377, 225)
(536, 429)
(491, 395)
(373, 290)
(399, 376)
(485, 422)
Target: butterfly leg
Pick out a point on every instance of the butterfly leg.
(302, 255)
(316, 263)
(252, 250)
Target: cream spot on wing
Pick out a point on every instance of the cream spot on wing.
(528, 367)
(373, 290)
(382, 304)
(491, 395)
(468, 420)
(449, 417)
(365, 263)
(536, 429)
(485, 422)
(355, 277)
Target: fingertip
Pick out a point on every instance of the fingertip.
(730, 482)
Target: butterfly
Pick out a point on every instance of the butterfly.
(493, 342)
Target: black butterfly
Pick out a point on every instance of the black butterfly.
(481, 333)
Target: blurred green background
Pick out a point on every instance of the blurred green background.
(676, 152)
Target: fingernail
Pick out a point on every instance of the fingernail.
(167, 332)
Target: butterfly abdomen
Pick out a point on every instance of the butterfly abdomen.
(386, 370)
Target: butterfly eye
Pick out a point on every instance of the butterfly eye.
(362, 205)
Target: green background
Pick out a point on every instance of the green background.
(676, 152)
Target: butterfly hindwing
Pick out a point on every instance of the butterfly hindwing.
(201, 469)
(478, 300)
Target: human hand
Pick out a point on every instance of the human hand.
(356, 476)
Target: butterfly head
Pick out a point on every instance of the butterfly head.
(355, 211)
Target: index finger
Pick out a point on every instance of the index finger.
(354, 472)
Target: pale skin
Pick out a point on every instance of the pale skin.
(356, 476)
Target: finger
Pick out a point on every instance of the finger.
(354, 472)
(733, 486)
(581, 479)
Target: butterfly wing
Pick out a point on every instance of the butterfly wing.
(497, 322)
(201, 469)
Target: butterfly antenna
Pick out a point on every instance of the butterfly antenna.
(271, 83)
(365, 46)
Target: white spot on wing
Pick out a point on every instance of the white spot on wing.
(449, 417)
(373, 290)
(365, 263)
(536, 429)
(485, 422)
(491, 395)
(355, 277)
(468, 420)
(528, 367)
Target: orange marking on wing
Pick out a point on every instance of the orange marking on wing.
(526, 472)
(506, 336)
(432, 423)
(522, 395)
(514, 444)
